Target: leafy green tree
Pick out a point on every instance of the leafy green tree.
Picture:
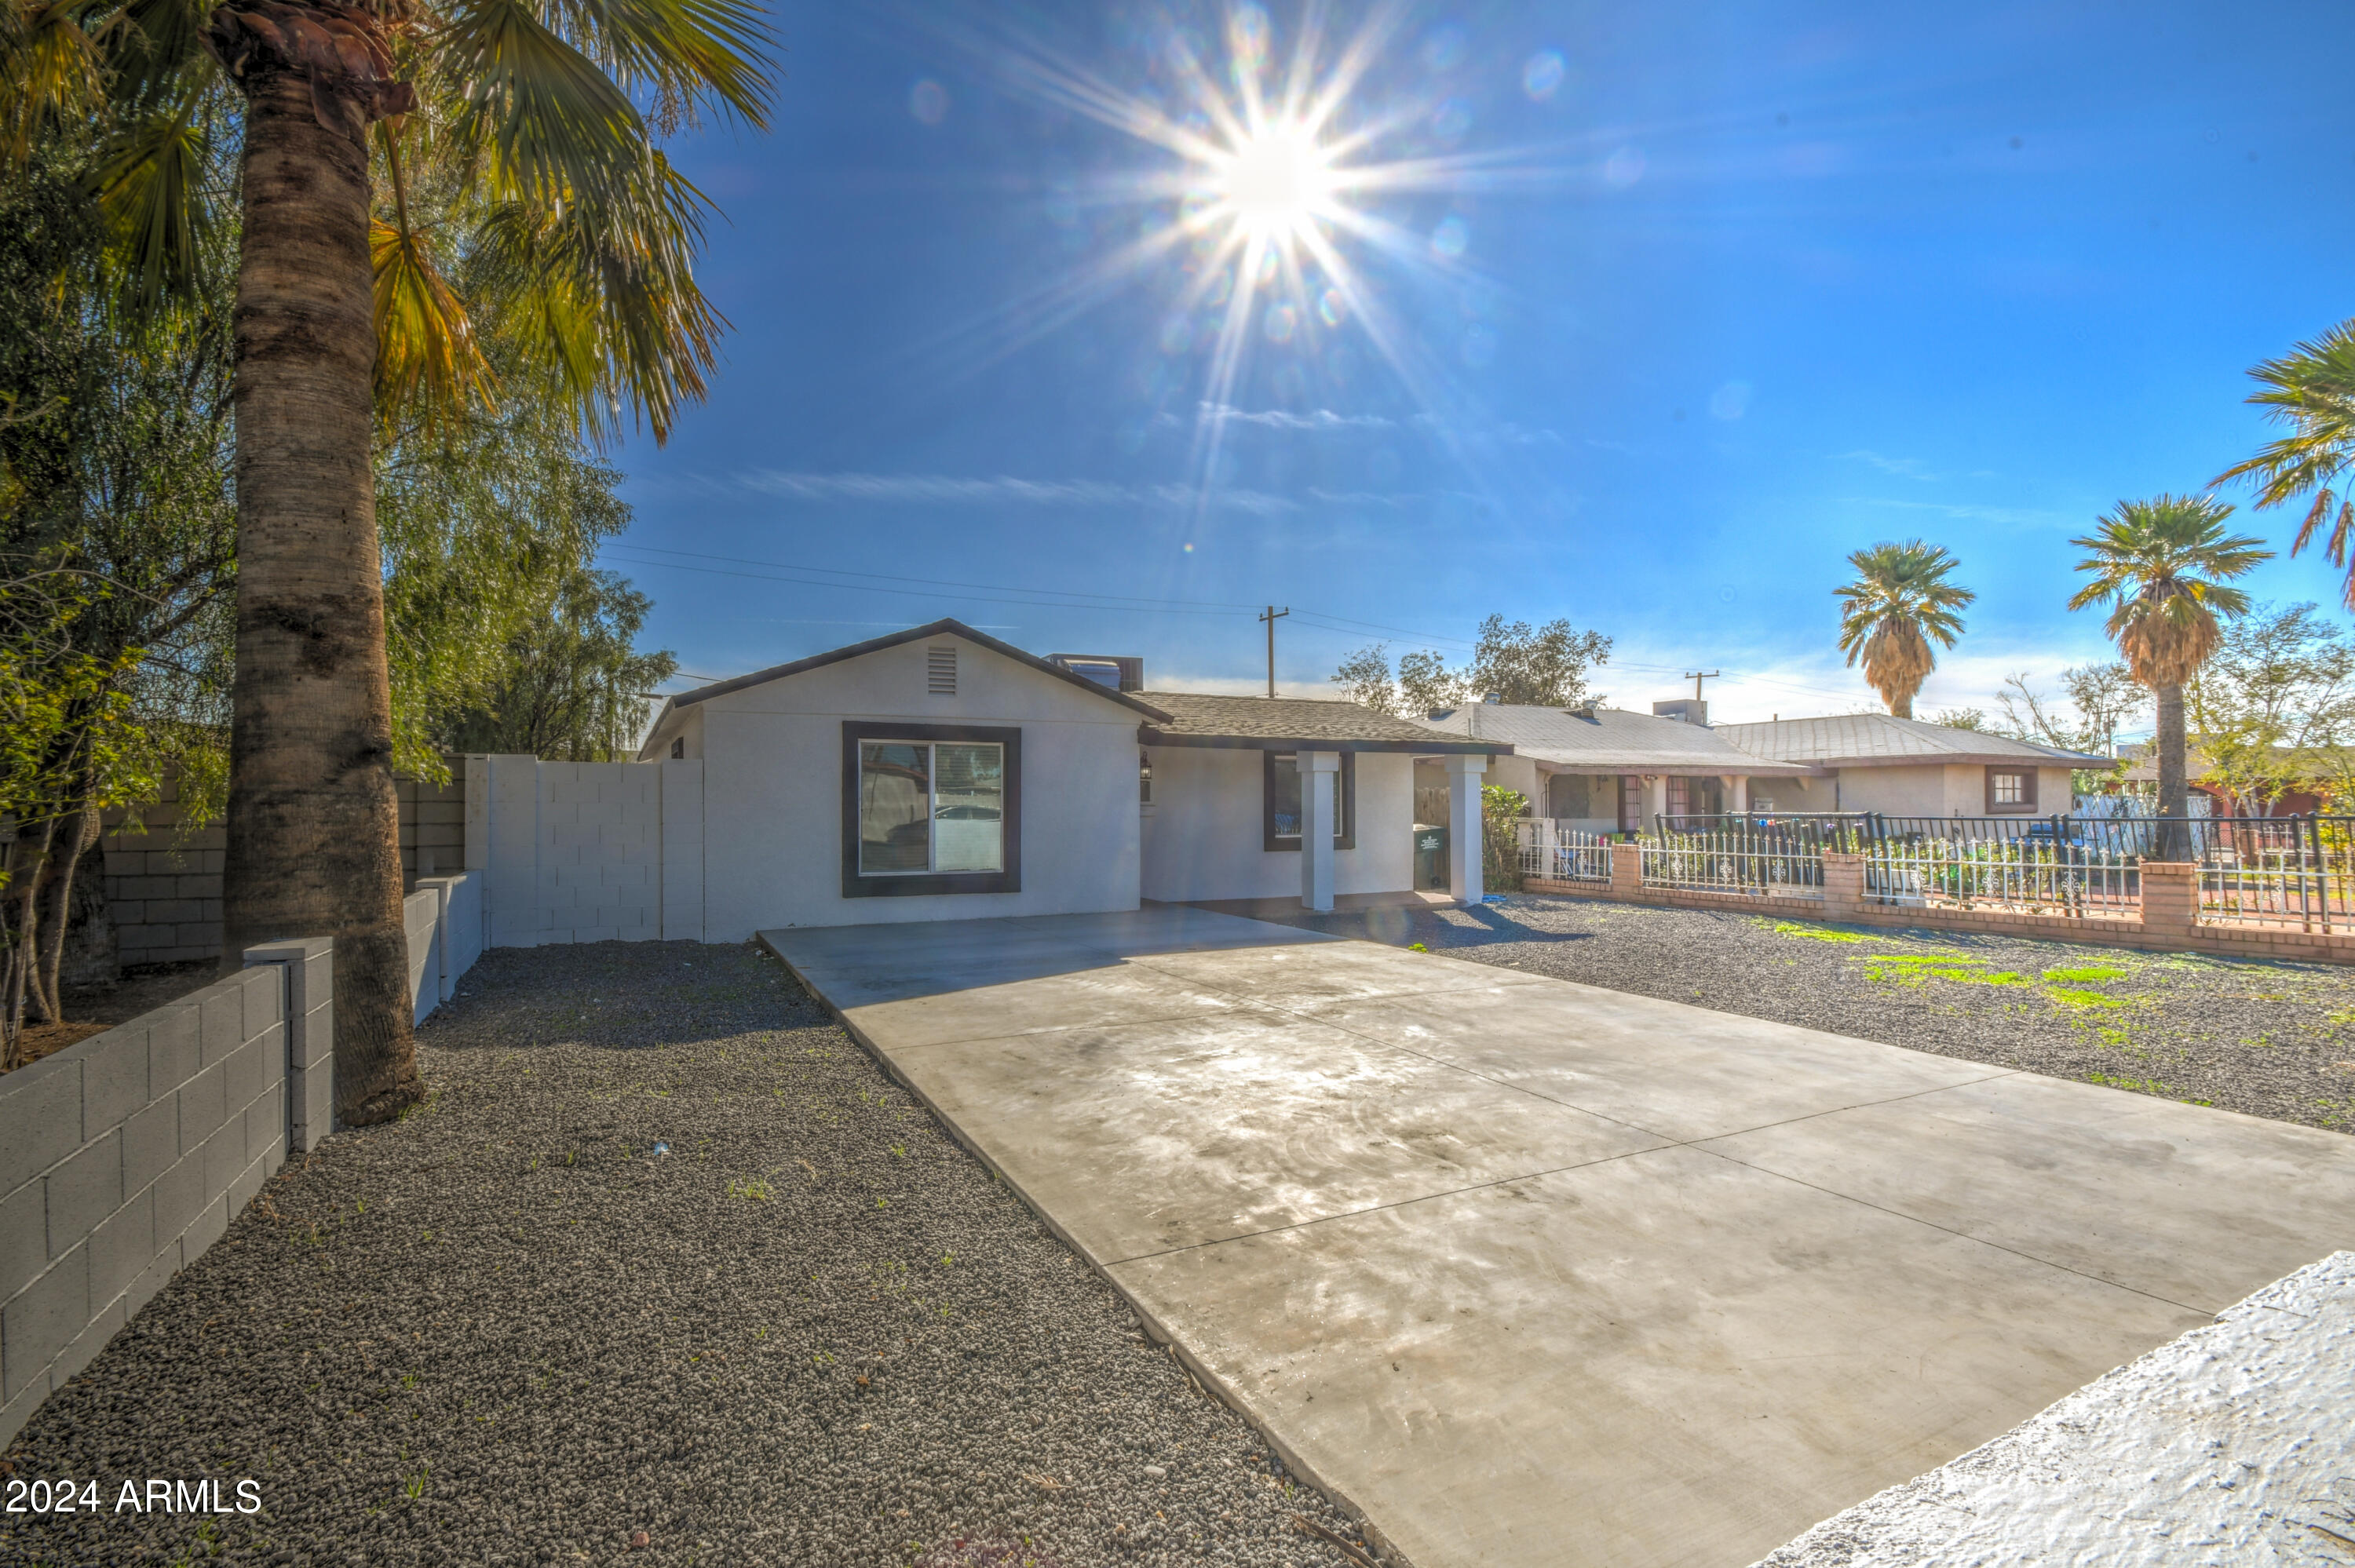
(574, 686)
(114, 513)
(2312, 391)
(1513, 662)
(2163, 567)
(1426, 686)
(1897, 605)
(543, 123)
(1536, 667)
(2101, 698)
(1365, 677)
(2274, 708)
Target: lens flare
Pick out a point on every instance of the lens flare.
(1269, 161)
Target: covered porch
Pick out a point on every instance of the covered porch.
(1311, 803)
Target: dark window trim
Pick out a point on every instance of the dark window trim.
(2023, 807)
(1345, 804)
(856, 886)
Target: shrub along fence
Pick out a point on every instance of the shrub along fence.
(124, 1155)
(2262, 887)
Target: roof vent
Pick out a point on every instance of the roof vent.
(939, 669)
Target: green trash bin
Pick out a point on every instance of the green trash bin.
(1431, 859)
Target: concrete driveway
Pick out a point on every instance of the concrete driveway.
(1536, 1273)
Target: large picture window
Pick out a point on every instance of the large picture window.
(929, 809)
(1281, 796)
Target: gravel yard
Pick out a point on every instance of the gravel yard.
(2271, 1040)
(666, 1270)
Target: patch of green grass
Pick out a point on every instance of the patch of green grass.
(1814, 933)
(755, 1188)
(2085, 976)
(2078, 997)
(2140, 1087)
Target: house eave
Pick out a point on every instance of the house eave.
(1147, 735)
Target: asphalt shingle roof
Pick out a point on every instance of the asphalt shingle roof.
(1199, 718)
(1869, 740)
(1607, 740)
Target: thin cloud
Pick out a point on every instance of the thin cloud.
(1002, 489)
(1316, 419)
(2011, 515)
(1902, 467)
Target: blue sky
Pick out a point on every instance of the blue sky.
(1690, 302)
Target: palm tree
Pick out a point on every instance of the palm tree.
(2312, 390)
(2160, 564)
(515, 141)
(1899, 604)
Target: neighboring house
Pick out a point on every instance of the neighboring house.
(1607, 770)
(939, 773)
(2304, 797)
(1910, 767)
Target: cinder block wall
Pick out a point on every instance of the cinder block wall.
(165, 890)
(124, 1157)
(588, 852)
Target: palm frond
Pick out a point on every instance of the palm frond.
(610, 299)
(428, 364)
(54, 75)
(153, 47)
(533, 115)
(678, 57)
(2161, 564)
(151, 185)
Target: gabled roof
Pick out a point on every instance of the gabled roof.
(1882, 740)
(944, 627)
(1607, 740)
(1281, 724)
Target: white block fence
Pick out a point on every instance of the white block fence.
(585, 852)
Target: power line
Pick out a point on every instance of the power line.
(1065, 599)
(936, 582)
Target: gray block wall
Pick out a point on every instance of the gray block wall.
(164, 882)
(124, 1157)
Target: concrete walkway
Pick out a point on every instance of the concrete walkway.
(1536, 1273)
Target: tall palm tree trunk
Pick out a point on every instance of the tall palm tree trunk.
(2173, 803)
(314, 823)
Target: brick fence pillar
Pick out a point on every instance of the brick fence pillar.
(2171, 896)
(1843, 884)
(1626, 871)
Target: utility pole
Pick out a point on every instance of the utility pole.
(1272, 617)
(1697, 677)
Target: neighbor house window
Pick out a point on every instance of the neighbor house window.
(1145, 778)
(931, 809)
(2010, 789)
(1281, 795)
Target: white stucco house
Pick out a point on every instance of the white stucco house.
(939, 773)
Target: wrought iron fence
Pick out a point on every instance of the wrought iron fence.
(2274, 870)
(1553, 853)
(1740, 860)
(2280, 871)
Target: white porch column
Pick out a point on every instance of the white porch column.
(1656, 802)
(1463, 826)
(1320, 775)
(1737, 792)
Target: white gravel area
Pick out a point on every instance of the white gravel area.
(2231, 1448)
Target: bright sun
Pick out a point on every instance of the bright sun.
(1276, 184)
